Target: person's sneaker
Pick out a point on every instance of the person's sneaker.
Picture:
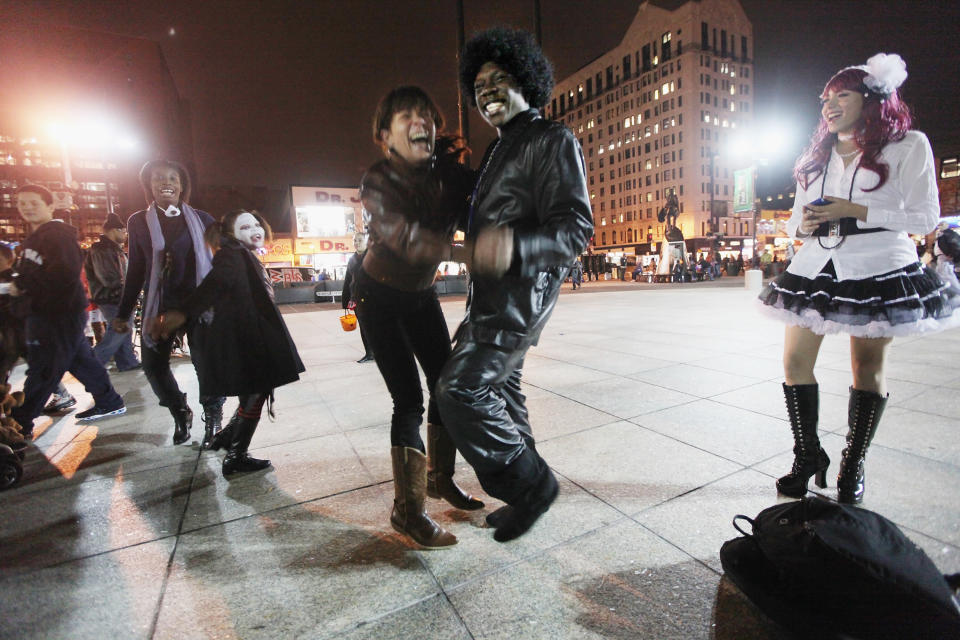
(366, 358)
(59, 403)
(95, 412)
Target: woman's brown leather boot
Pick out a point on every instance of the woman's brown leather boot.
(410, 492)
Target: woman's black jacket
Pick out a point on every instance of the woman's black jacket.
(246, 348)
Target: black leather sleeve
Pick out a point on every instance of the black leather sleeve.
(562, 206)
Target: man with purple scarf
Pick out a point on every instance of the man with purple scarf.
(168, 259)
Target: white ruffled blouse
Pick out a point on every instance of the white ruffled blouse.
(906, 204)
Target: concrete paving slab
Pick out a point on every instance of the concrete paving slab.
(618, 582)
(624, 398)
(309, 570)
(631, 467)
(112, 595)
(45, 528)
(433, 617)
(700, 521)
(302, 470)
(694, 380)
(574, 513)
(736, 434)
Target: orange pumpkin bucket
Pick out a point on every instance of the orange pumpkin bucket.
(348, 321)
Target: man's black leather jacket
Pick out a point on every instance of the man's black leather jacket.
(106, 266)
(533, 181)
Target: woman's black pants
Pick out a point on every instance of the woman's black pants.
(403, 328)
(156, 368)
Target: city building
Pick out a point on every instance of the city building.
(948, 183)
(654, 116)
(80, 112)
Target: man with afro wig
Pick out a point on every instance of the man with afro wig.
(530, 218)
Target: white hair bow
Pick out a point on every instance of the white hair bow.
(885, 73)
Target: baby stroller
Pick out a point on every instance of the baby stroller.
(13, 446)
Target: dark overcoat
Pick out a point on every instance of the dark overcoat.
(245, 348)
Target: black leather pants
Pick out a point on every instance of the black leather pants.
(479, 398)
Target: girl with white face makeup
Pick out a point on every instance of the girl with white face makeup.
(865, 182)
(249, 351)
(248, 229)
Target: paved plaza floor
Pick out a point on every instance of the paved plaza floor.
(658, 407)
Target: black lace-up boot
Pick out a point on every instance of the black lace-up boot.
(803, 407)
(863, 416)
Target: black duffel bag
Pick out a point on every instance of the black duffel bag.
(824, 569)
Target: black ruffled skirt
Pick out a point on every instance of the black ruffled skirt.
(905, 301)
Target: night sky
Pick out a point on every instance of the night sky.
(282, 92)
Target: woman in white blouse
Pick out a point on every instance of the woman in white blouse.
(865, 182)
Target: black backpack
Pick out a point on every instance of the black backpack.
(821, 569)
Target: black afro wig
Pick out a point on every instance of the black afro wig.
(517, 53)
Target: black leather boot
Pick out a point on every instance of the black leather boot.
(182, 420)
(803, 407)
(539, 492)
(212, 423)
(441, 459)
(863, 416)
(222, 438)
(237, 459)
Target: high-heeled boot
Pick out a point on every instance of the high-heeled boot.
(212, 423)
(863, 416)
(237, 459)
(182, 420)
(222, 438)
(410, 492)
(441, 459)
(809, 459)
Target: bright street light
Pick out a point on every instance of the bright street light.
(91, 132)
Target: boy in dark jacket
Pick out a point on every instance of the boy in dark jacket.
(48, 276)
(106, 268)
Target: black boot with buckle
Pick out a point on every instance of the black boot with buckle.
(803, 407)
(212, 423)
(182, 420)
(863, 416)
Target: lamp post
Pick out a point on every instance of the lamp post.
(714, 219)
(756, 213)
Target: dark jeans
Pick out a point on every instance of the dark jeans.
(480, 400)
(156, 368)
(118, 346)
(403, 328)
(56, 345)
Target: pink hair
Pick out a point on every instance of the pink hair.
(882, 120)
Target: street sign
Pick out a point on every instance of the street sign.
(743, 190)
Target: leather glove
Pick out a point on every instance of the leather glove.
(492, 252)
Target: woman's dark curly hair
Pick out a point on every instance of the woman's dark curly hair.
(517, 53)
